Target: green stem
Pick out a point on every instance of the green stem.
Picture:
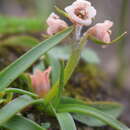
(70, 67)
(20, 91)
(74, 59)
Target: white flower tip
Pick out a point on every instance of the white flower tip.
(81, 12)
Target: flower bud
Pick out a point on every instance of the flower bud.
(55, 24)
(101, 31)
(40, 82)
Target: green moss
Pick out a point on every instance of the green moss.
(86, 82)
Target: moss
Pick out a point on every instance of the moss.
(86, 82)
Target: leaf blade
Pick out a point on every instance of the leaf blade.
(66, 121)
(21, 123)
(13, 107)
(9, 74)
(82, 109)
(112, 108)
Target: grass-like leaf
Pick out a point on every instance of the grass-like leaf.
(111, 108)
(66, 121)
(90, 111)
(21, 123)
(69, 68)
(56, 68)
(26, 41)
(20, 91)
(63, 52)
(60, 11)
(10, 73)
(13, 107)
(10, 109)
(9, 25)
(104, 43)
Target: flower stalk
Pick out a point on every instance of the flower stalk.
(70, 67)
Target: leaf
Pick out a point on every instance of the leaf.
(70, 100)
(27, 41)
(111, 108)
(90, 56)
(104, 43)
(10, 109)
(9, 25)
(61, 87)
(69, 68)
(21, 123)
(60, 11)
(90, 111)
(56, 68)
(11, 72)
(66, 121)
(20, 91)
(61, 52)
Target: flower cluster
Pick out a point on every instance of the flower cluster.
(81, 13)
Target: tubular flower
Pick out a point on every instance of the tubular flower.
(40, 82)
(81, 12)
(55, 24)
(102, 31)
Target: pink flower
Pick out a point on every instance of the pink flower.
(102, 31)
(55, 24)
(81, 12)
(40, 82)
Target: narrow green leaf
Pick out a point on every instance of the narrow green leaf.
(90, 111)
(20, 91)
(74, 59)
(104, 43)
(9, 25)
(61, 86)
(10, 109)
(27, 41)
(90, 56)
(61, 52)
(56, 68)
(66, 121)
(10, 73)
(70, 100)
(70, 67)
(111, 108)
(60, 11)
(21, 123)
